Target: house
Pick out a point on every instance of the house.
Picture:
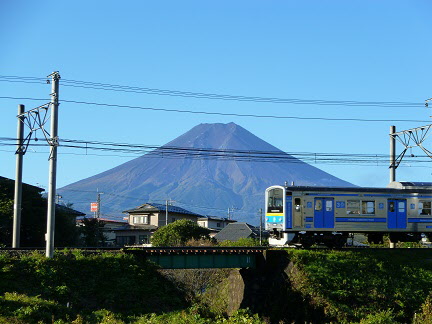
(236, 231)
(144, 220)
(109, 228)
(214, 224)
(68, 210)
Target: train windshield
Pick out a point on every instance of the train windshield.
(275, 201)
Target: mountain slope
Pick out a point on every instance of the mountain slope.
(203, 184)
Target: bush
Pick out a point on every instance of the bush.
(241, 242)
(178, 233)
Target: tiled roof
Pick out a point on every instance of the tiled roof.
(236, 231)
(160, 208)
(217, 219)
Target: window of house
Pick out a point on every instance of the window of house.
(125, 240)
(353, 207)
(368, 207)
(218, 224)
(137, 219)
(173, 220)
(140, 219)
(425, 207)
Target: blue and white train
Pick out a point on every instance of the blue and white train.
(308, 215)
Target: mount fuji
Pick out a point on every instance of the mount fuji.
(207, 170)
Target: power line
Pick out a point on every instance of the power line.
(151, 151)
(213, 96)
(165, 92)
(220, 113)
(239, 115)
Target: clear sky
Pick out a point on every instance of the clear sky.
(313, 50)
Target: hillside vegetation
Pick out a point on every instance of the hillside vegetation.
(364, 286)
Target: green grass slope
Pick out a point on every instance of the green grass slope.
(71, 285)
(363, 285)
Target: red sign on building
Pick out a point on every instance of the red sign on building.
(94, 207)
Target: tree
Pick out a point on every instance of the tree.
(178, 233)
(33, 217)
(92, 231)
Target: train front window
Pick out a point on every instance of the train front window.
(275, 201)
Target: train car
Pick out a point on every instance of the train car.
(307, 215)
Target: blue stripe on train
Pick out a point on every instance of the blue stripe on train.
(275, 219)
(360, 220)
(419, 220)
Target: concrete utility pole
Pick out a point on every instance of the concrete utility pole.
(260, 235)
(98, 213)
(392, 154)
(53, 142)
(166, 212)
(18, 179)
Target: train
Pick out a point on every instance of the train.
(306, 215)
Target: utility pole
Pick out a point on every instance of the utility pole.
(260, 234)
(98, 213)
(18, 179)
(168, 202)
(392, 154)
(53, 142)
(230, 211)
(166, 212)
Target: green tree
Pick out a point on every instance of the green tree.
(33, 217)
(92, 231)
(178, 233)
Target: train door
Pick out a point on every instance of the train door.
(397, 213)
(288, 213)
(324, 213)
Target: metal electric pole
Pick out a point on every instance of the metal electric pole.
(18, 179)
(392, 154)
(53, 142)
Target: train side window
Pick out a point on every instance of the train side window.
(318, 205)
(401, 206)
(353, 207)
(297, 203)
(391, 207)
(368, 207)
(424, 208)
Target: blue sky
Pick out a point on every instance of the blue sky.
(328, 50)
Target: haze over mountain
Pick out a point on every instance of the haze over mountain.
(206, 170)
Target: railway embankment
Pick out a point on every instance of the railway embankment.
(288, 286)
(322, 286)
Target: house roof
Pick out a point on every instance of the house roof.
(11, 181)
(236, 231)
(69, 210)
(217, 219)
(136, 228)
(149, 208)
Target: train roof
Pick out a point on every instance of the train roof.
(410, 184)
(402, 189)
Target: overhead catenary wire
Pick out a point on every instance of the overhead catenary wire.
(153, 151)
(219, 113)
(213, 96)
